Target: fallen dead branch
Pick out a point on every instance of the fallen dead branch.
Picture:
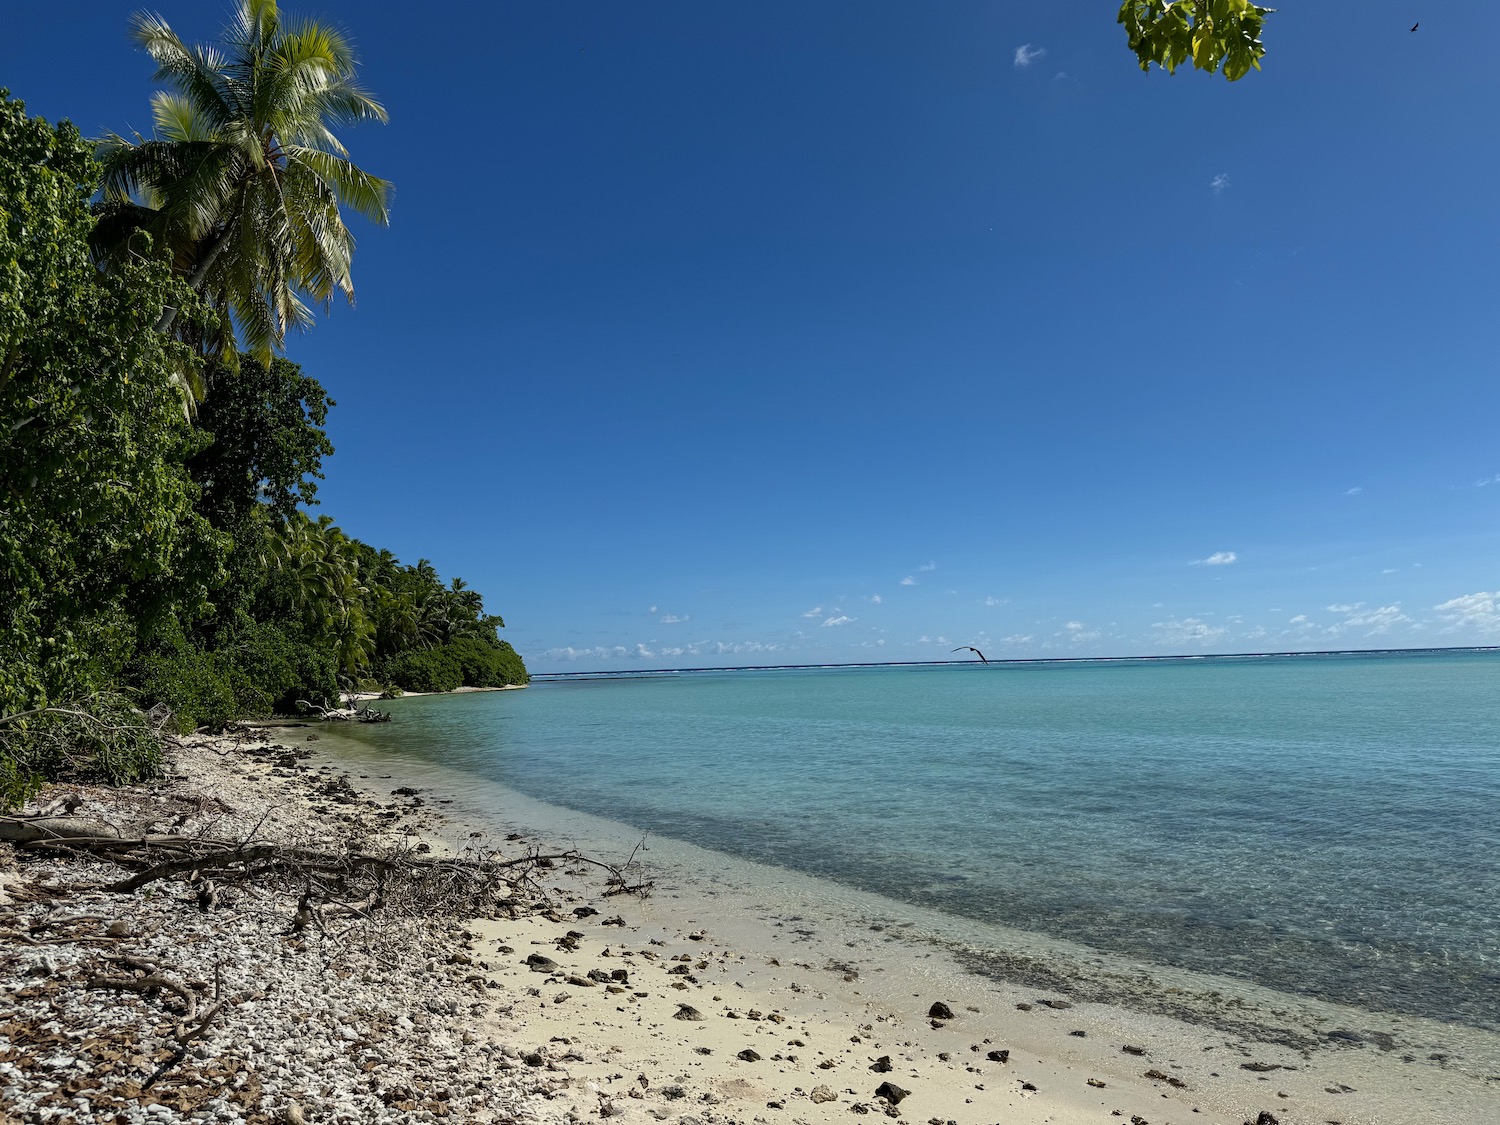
(332, 881)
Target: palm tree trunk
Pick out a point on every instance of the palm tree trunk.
(197, 277)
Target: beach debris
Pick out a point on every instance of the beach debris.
(1096, 1082)
(892, 1093)
(821, 1094)
(1260, 1067)
(1130, 1049)
(1029, 1087)
(1000, 1056)
(690, 1013)
(1078, 1034)
(1162, 1076)
(582, 912)
(882, 1065)
(749, 1054)
(940, 1011)
(1023, 1007)
(698, 935)
(1059, 1005)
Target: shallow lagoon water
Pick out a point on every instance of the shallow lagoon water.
(1325, 826)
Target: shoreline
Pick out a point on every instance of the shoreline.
(817, 983)
(1355, 1074)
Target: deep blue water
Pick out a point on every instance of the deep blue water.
(1325, 825)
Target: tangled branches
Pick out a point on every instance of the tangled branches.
(100, 737)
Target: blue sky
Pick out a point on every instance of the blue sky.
(788, 332)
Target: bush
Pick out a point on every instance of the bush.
(98, 738)
(433, 669)
(466, 662)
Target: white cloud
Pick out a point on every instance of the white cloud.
(738, 648)
(1026, 54)
(1379, 620)
(1300, 619)
(1389, 570)
(938, 640)
(816, 611)
(1355, 491)
(1480, 612)
(1487, 481)
(642, 650)
(1346, 608)
(840, 620)
(1016, 639)
(994, 601)
(1074, 626)
(1078, 632)
(652, 609)
(875, 598)
(927, 566)
(1219, 183)
(673, 619)
(1218, 558)
(908, 581)
(1188, 630)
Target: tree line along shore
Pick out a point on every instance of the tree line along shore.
(161, 568)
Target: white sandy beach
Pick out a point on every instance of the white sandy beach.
(806, 998)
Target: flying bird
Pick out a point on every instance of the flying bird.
(1416, 25)
(970, 648)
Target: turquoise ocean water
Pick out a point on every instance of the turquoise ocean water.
(1328, 826)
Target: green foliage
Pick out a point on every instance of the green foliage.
(100, 737)
(466, 662)
(1209, 32)
(98, 534)
(244, 180)
(268, 444)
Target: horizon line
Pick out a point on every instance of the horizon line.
(1017, 660)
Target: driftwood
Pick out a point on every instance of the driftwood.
(334, 882)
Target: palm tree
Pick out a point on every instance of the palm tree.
(244, 180)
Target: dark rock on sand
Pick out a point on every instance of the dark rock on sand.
(539, 964)
(882, 1065)
(892, 1093)
(688, 1012)
(749, 1054)
(940, 1011)
(1266, 1117)
(999, 1056)
(1060, 1005)
(1131, 1050)
(1260, 1067)
(1346, 1036)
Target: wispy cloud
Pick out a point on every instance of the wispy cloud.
(908, 581)
(1480, 612)
(653, 609)
(1219, 183)
(673, 619)
(842, 619)
(816, 611)
(1345, 608)
(1218, 558)
(1300, 619)
(1379, 620)
(1016, 639)
(1487, 481)
(1078, 632)
(1026, 54)
(993, 601)
(875, 598)
(1188, 630)
(1355, 491)
(927, 566)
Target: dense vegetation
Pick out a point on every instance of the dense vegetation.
(157, 562)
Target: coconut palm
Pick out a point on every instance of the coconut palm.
(244, 180)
